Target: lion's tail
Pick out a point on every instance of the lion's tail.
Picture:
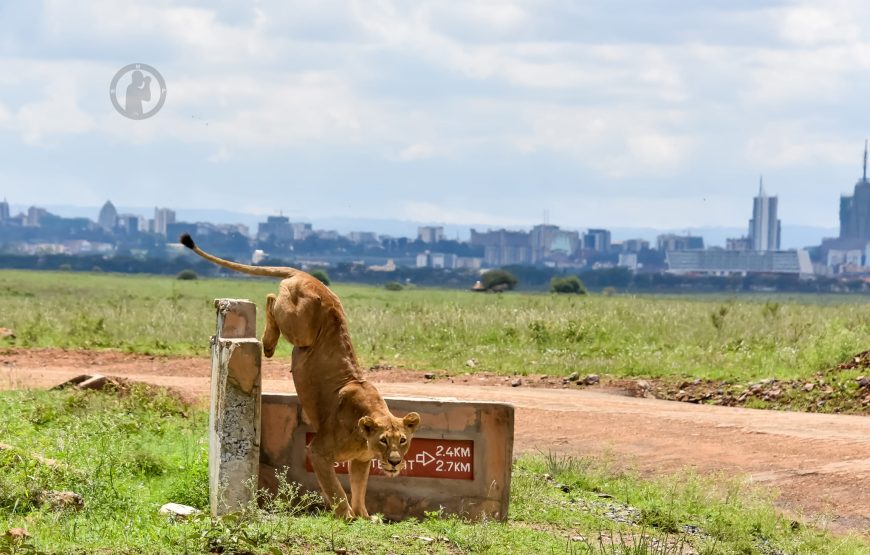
(270, 271)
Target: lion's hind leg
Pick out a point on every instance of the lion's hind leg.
(272, 333)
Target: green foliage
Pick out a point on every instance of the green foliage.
(770, 309)
(127, 455)
(717, 317)
(567, 284)
(431, 329)
(393, 286)
(498, 279)
(321, 275)
(186, 275)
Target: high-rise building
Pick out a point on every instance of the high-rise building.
(430, 234)
(503, 247)
(549, 241)
(4, 211)
(764, 227)
(597, 240)
(276, 228)
(108, 216)
(673, 242)
(34, 216)
(163, 217)
(855, 210)
(128, 223)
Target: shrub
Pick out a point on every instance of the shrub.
(321, 275)
(496, 280)
(65, 268)
(186, 275)
(567, 284)
(393, 286)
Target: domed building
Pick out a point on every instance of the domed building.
(855, 210)
(108, 216)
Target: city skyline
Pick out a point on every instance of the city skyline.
(652, 116)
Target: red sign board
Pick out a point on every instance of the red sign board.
(427, 458)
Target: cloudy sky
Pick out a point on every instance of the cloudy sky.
(613, 113)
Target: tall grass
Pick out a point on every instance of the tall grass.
(512, 333)
(128, 455)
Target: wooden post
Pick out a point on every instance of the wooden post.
(234, 418)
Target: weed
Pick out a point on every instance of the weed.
(717, 317)
(127, 455)
(428, 329)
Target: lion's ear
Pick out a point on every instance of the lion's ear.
(411, 421)
(368, 425)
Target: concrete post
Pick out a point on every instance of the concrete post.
(234, 418)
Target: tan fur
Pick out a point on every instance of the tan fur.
(353, 422)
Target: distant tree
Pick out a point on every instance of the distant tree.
(321, 275)
(567, 284)
(393, 286)
(186, 275)
(498, 279)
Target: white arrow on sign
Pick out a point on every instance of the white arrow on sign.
(424, 458)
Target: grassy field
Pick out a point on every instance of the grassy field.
(740, 338)
(127, 455)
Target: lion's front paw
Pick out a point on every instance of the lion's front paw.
(343, 511)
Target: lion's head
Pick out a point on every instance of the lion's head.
(388, 438)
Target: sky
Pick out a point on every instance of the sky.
(587, 114)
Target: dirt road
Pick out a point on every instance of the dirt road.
(819, 464)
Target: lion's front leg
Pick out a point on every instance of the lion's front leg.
(333, 493)
(359, 479)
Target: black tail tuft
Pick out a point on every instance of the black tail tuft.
(187, 241)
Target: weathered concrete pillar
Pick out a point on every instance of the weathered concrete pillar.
(234, 419)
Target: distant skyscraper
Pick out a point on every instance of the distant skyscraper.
(163, 217)
(672, 242)
(430, 234)
(34, 216)
(597, 240)
(855, 210)
(764, 227)
(108, 216)
(4, 211)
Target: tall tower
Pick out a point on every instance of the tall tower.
(162, 218)
(4, 210)
(764, 227)
(108, 218)
(855, 209)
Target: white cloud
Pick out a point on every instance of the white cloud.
(618, 142)
(777, 87)
(222, 155)
(796, 144)
(416, 152)
(815, 24)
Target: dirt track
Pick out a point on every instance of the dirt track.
(820, 464)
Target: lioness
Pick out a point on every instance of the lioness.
(353, 422)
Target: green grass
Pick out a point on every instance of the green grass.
(740, 338)
(127, 455)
